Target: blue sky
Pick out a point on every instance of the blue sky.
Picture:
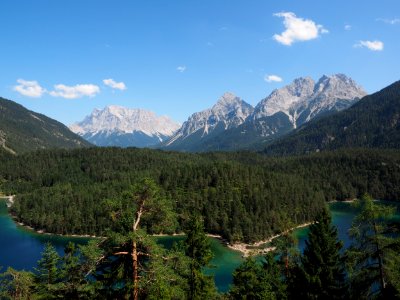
(63, 58)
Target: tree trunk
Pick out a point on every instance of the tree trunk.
(135, 264)
(135, 271)
(380, 260)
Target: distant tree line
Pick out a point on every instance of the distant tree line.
(241, 196)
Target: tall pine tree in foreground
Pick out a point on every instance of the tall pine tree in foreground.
(198, 249)
(47, 274)
(372, 259)
(250, 282)
(321, 269)
(135, 266)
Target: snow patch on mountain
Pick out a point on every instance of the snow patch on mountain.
(304, 96)
(117, 120)
(229, 111)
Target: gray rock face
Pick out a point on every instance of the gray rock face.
(125, 127)
(229, 112)
(304, 99)
(232, 124)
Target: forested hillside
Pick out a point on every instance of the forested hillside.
(22, 130)
(243, 196)
(373, 122)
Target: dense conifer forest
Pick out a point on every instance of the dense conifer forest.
(128, 264)
(242, 196)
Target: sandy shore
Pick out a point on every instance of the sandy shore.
(9, 200)
(251, 249)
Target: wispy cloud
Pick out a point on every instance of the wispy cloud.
(390, 21)
(347, 27)
(76, 91)
(115, 85)
(371, 45)
(297, 29)
(29, 88)
(273, 78)
(181, 69)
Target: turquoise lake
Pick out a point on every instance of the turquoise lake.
(21, 248)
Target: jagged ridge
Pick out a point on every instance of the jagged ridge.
(120, 126)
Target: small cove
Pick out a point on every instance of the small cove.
(21, 248)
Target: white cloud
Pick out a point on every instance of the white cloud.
(347, 27)
(29, 88)
(181, 69)
(390, 21)
(115, 85)
(76, 91)
(371, 45)
(297, 29)
(272, 78)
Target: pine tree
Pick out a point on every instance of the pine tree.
(321, 262)
(374, 251)
(47, 273)
(249, 282)
(198, 249)
(132, 256)
(16, 285)
(272, 273)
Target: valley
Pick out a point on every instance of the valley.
(190, 150)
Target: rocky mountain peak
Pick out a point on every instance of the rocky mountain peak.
(119, 120)
(338, 86)
(303, 94)
(229, 111)
(229, 105)
(301, 87)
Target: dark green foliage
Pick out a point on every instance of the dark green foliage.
(242, 196)
(373, 258)
(16, 285)
(249, 282)
(321, 263)
(134, 265)
(22, 130)
(198, 250)
(47, 273)
(373, 122)
(273, 273)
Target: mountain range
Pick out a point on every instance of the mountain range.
(22, 130)
(125, 127)
(373, 122)
(302, 117)
(233, 124)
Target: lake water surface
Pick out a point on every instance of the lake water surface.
(21, 248)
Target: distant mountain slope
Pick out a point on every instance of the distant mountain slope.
(22, 130)
(125, 127)
(282, 111)
(229, 112)
(373, 122)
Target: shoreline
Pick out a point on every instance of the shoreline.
(247, 249)
(9, 200)
(43, 232)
